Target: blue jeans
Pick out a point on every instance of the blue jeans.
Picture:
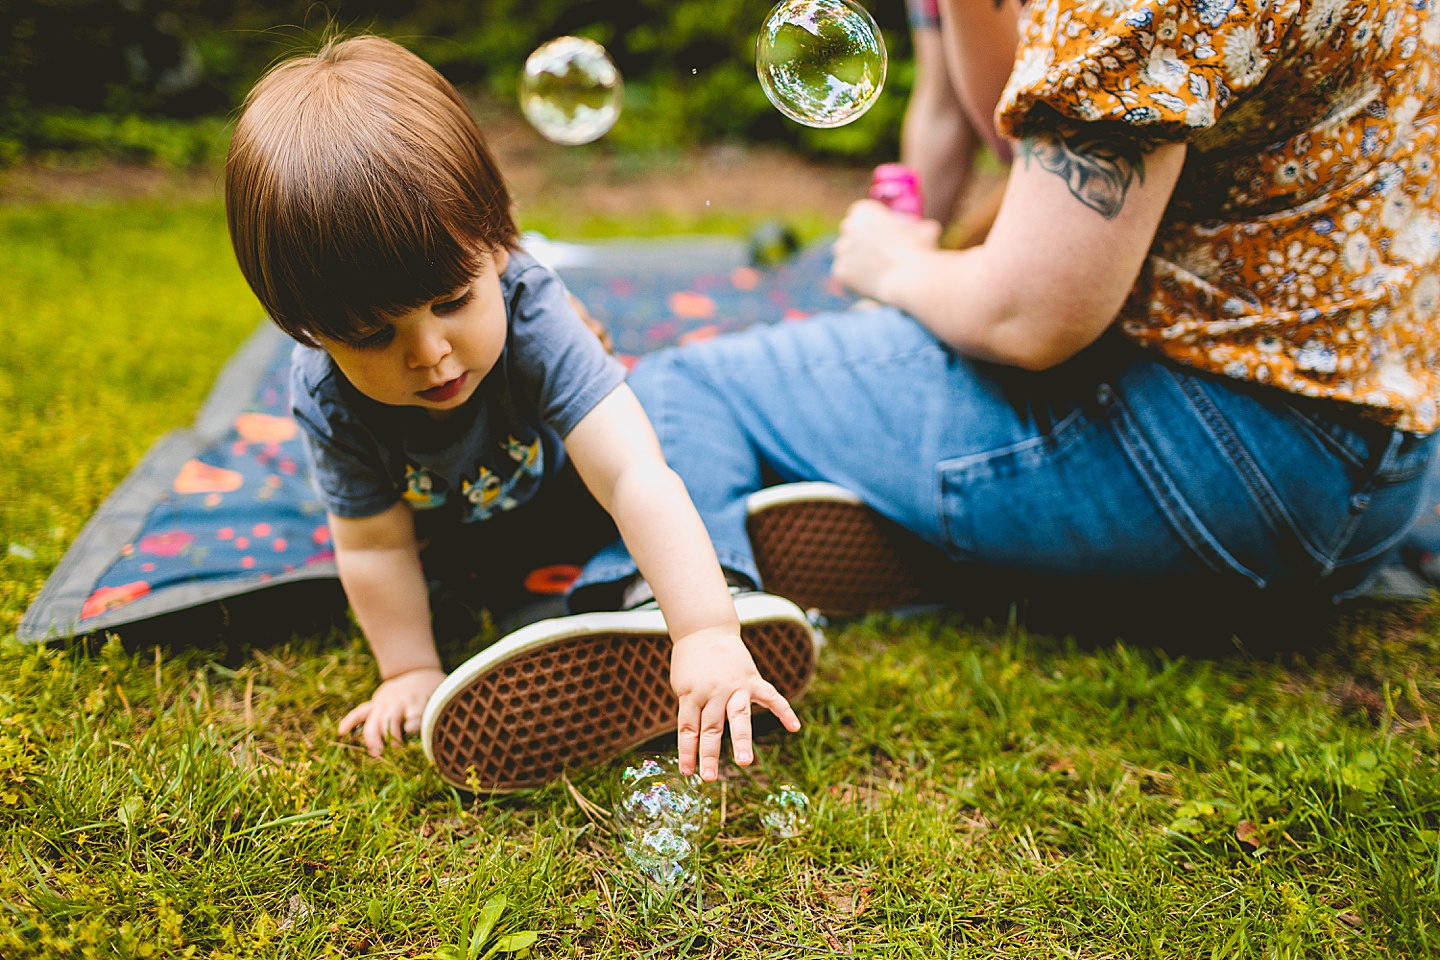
(1117, 464)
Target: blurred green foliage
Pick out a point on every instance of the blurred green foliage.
(154, 80)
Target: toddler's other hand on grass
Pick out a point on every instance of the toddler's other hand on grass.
(394, 709)
(715, 678)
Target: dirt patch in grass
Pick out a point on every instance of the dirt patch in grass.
(735, 178)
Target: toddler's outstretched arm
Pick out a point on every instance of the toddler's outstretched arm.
(617, 455)
(379, 562)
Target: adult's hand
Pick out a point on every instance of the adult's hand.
(874, 242)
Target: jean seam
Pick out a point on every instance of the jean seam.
(1325, 437)
(1262, 494)
(1182, 518)
(1366, 489)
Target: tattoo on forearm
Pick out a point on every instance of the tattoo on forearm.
(1097, 169)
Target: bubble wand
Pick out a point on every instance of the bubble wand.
(898, 187)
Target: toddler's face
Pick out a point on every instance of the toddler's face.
(435, 356)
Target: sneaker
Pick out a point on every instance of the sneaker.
(578, 690)
(819, 545)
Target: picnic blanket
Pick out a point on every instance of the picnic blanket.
(218, 521)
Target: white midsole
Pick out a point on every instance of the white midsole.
(811, 490)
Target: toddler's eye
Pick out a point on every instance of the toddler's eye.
(376, 340)
(450, 306)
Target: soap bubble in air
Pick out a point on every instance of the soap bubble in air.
(571, 90)
(786, 811)
(660, 814)
(821, 62)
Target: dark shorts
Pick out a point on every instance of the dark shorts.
(516, 561)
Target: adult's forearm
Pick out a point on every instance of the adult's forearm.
(936, 137)
(981, 37)
(979, 308)
(940, 146)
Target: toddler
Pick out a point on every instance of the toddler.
(442, 377)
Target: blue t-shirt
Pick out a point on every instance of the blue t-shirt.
(493, 453)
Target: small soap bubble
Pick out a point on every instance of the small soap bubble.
(571, 90)
(821, 62)
(786, 811)
(660, 813)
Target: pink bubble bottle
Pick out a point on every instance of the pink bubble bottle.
(898, 187)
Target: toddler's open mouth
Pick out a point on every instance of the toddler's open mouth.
(445, 391)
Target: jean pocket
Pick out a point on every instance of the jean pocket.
(1066, 502)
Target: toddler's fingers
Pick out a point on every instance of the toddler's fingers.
(354, 718)
(375, 733)
(688, 734)
(739, 711)
(765, 694)
(712, 731)
(395, 726)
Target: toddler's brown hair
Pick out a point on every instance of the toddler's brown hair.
(358, 187)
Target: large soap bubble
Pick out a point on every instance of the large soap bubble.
(821, 62)
(660, 814)
(571, 90)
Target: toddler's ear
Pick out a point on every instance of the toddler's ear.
(596, 327)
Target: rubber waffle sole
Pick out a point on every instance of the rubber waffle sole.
(583, 699)
(834, 556)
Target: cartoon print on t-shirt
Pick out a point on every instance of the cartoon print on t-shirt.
(528, 455)
(488, 495)
(423, 490)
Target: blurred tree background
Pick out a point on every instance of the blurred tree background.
(158, 80)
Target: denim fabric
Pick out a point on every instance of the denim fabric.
(1117, 464)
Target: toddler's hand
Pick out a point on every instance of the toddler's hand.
(873, 241)
(394, 709)
(715, 679)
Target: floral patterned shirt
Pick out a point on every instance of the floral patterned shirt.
(1300, 246)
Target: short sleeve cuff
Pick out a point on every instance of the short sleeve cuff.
(1161, 71)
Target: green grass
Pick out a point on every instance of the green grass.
(977, 790)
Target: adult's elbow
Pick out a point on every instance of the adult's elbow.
(1043, 345)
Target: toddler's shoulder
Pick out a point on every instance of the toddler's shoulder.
(317, 388)
(526, 282)
(312, 372)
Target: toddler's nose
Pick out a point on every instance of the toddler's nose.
(428, 348)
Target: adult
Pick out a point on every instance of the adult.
(1199, 341)
(944, 126)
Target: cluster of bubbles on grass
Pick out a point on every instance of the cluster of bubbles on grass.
(662, 814)
(821, 62)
